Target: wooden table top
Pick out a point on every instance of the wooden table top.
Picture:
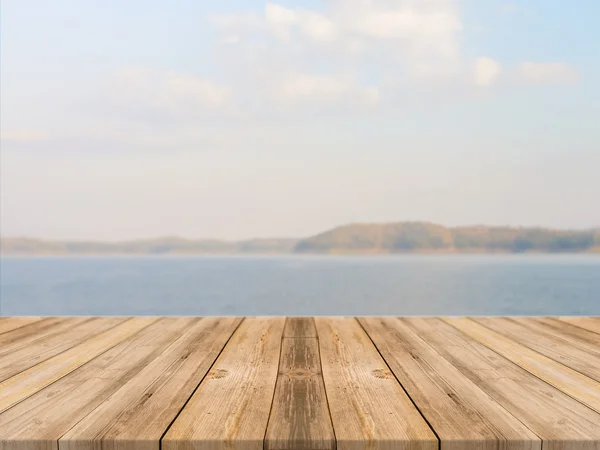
(276, 383)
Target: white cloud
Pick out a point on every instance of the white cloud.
(237, 22)
(167, 93)
(280, 20)
(407, 23)
(317, 27)
(231, 39)
(546, 73)
(422, 36)
(486, 71)
(299, 89)
(350, 56)
(303, 85)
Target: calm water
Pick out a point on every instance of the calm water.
(302, 285)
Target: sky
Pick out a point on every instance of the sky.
(241, 119)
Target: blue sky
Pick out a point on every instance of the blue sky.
(246, 119)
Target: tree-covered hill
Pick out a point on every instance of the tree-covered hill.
(172, 245)
(355, 238)
(423, 236)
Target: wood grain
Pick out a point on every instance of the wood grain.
(23, 336)
(463, 416)
(578, 355)
(28, 382)
(12, 323)
(37, 422)
(300, 327)
(185, 383)
(574, 335)
(137, 415)
(300, 415)
(230, 409)
(369, 409)
(577, 385)
(585, 339)
(562, 422)
(587, 323)
(52, 343)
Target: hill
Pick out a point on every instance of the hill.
(170, 245)
(429, 237)
(402, 237)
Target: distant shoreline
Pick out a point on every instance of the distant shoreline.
(592, 252)
(353, 239)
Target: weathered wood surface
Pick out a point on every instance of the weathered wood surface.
(564, 378)
(543, 338)
(587, 323)
(28, 382)
(230, 409)
(572, 333)
(299, 383)
(561, 421)
(462, 414)
(12, 323)
(140, 412)
(39, 421)
(20, 337)
(300, 415)
(369, 409)
(56, 340)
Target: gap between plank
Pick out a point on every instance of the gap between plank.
(108, 398)
(562, 322)
(524, 368)
(70, 348)
(276, 382)
(321, 374)
(324, 386)
(439, 441)
(160, 440)
(74, 344)
(535, 351)
(20, 326)
(439, 355)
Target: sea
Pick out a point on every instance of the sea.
(524, 284)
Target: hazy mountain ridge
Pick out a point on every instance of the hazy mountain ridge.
(170, 245)
(429, 237)
(359, 238)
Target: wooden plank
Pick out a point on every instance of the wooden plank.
(268, 385)
(300, 416)
(577, 385)
(138, 414)
(51, 344)
(230, 409)
(300, 327)
(23, 336)
(38, 422)
(47, 372)
(587, 323)
(463, 416)
(12, 323)
(574, 335)
(528, 332)
(369, 409)
(562, 422)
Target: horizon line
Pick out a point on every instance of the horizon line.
(181, 237)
